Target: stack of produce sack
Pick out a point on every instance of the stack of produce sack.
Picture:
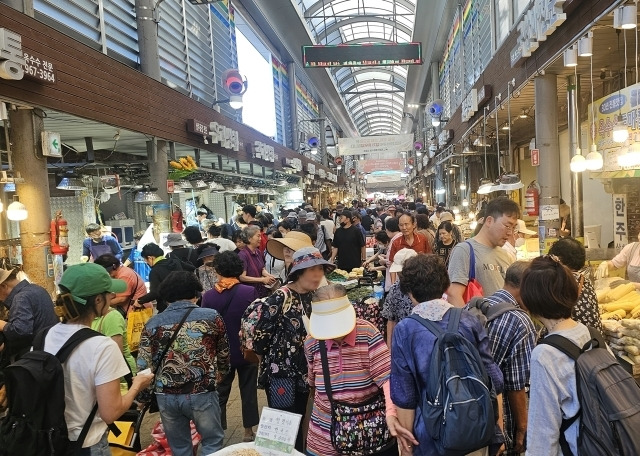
(623, 337)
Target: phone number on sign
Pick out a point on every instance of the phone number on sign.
(40, 73)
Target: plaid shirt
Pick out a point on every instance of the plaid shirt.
(512, 337)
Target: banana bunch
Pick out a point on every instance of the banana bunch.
(184, 163)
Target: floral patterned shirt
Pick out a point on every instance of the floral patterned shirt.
(198, 358)
(586, 310)
(279, 337)
(397, 305)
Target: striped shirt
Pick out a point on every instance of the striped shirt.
(358, 366)
(512, 337)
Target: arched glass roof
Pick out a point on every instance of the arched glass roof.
(373, 95)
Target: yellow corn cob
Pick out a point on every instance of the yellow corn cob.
(635, 312)
(615, 315)
(185, 163)
(626, 305)
(192, 162)
(603, 295)
(175, 164)
(618, 292)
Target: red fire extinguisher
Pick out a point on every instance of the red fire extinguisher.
(176, 219)
(532, 199)
(59, 235)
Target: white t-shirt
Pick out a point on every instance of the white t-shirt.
(329, 228)
(223, 244)
(94, 362)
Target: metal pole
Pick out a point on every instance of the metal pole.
(293, 105)
(147, 20)
(573, 113)
(548, 173)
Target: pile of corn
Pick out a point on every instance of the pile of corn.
(620, 302)
(623, 337)
(182, 167)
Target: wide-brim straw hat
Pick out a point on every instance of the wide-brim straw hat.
(331, 319)
(294, 240)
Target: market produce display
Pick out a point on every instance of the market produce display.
(623, 337)
(618, 301)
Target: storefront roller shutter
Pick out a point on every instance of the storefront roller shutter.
(121, 31)
(200, 53)
(223, 33)
(79, 19)
(172, 47)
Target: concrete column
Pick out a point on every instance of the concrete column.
(548, 173)
(293, 106)
(148, 37)
(26, 127)
(159, 167)
(24, 6)
(573, 112)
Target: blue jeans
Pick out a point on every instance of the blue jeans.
(99, 449)
(176, 410)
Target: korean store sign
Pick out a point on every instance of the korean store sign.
(620, 232)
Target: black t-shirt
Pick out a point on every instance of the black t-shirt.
(444, 251)
(366, 222)
(349, 242)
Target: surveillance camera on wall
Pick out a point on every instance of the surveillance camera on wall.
(436, 107)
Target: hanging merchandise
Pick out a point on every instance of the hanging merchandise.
(177, 219)
(59, 235)
(532, 199)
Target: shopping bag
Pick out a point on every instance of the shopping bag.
(474, 288)
(127, 443)
(135, 324)
(160, 446)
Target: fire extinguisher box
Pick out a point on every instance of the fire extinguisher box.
(123, 230)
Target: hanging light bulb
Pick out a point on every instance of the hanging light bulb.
(620, 131)
(594, 160)
(16, 210)
(463, 186)
(465, 203)
(578, 162)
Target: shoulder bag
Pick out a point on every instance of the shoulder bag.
(356, 429)
(473, 286)
(153, 407)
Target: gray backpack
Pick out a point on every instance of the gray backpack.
(460, 407)
(608, 393)
(486, 311)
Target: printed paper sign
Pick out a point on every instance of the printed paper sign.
(549, 212)
(277, 432)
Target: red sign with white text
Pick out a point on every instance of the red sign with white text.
(535, 157)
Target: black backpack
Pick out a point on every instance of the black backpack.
(460, 405)
(609, 394)
(35, 423)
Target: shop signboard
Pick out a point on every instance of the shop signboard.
(626, 103)
(469, 105)
(535, 157)
(38, 67)
(375, 144)
(264, 151)
(198, 127)
(541, 20)
(387, 164)
(225, 136)
(620, 231)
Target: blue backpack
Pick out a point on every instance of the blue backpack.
(460, 407)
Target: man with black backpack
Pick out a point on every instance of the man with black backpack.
(63, 394)
(512, 336)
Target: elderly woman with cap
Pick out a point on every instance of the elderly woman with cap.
(397, 305)
(280, 333)
(231, 298)
(254, 273)
(348, 362)
(205, 273)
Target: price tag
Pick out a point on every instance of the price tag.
(277, 431)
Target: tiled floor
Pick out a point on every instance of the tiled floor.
(234, 432)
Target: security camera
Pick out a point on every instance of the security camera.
(435, 107)
(233, 82)
(417, 145)
(313, 142)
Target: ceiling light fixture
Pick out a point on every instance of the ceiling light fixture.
(625, 17)
(571, 56)
(585, 45)
(578, 162)
(16, 210)
(71, 183)
(594, 160)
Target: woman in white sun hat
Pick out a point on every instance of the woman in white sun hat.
(397, 305)
(355, 370)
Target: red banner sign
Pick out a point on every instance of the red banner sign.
(387, 164)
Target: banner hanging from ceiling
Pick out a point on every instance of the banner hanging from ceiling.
(375, 144)
(383, 164)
